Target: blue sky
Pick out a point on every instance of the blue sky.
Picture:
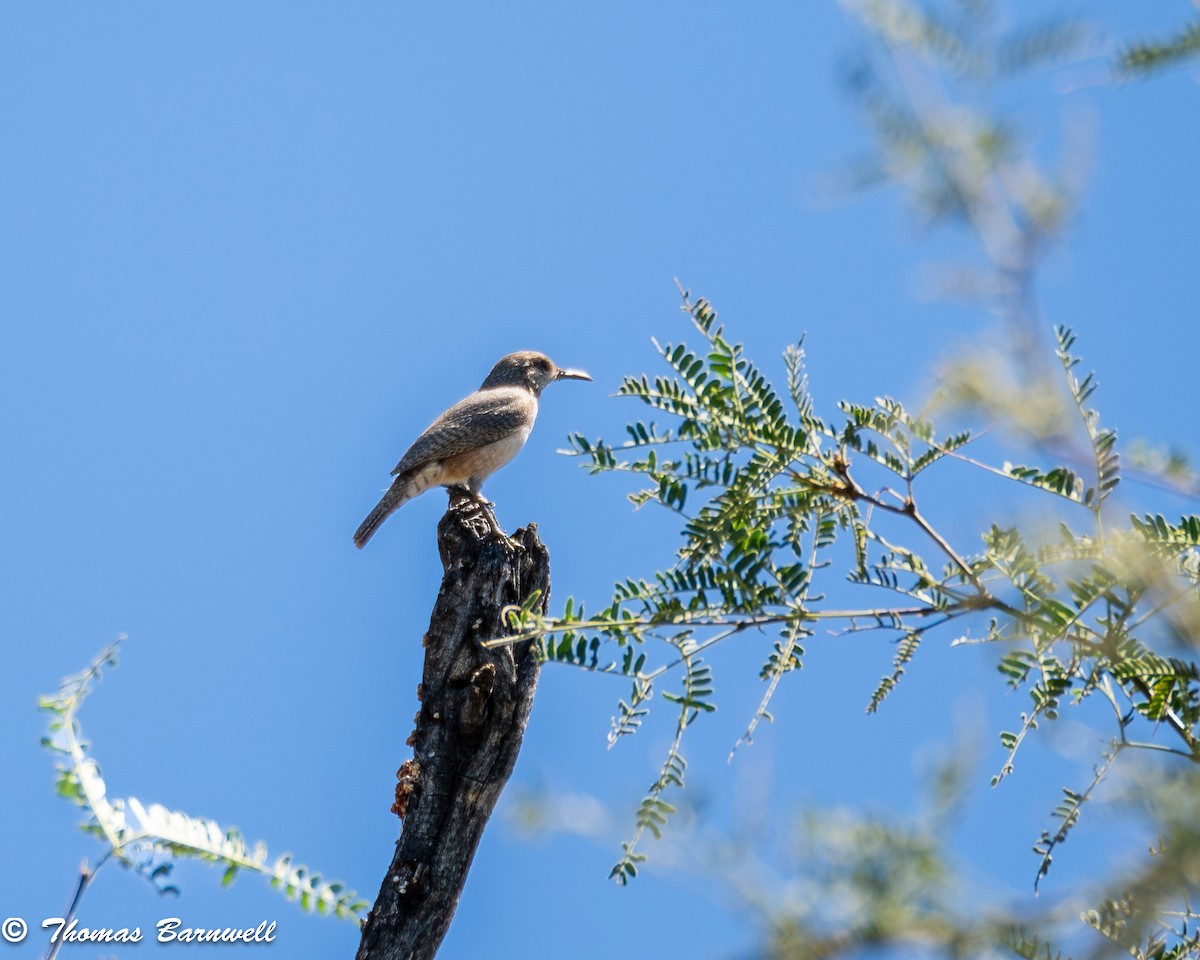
(250, 250)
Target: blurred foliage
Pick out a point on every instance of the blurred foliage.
(841, 883)
(148, 839)
(1150, 56)
(1098, 604)
(1102, 606)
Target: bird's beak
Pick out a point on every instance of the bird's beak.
(572, 375)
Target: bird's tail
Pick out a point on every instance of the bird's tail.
(396, 495)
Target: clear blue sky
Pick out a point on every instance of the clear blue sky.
(250, 250)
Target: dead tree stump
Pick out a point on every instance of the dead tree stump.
(475, 703)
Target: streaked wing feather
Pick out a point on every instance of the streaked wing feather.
(474, 421)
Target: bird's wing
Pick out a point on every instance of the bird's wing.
(475, 421)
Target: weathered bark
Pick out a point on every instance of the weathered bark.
(474, 706)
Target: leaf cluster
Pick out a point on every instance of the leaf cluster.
(769, 497)
(148, 838)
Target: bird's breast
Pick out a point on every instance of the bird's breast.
(475, 465)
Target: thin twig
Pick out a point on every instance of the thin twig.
(86, 875)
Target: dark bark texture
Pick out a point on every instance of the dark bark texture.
(475, 703)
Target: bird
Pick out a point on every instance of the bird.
(474, 438)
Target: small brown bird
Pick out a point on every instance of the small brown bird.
(475, 437)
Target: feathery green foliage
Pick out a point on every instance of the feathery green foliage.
(148, 839)
(1095, 606)
(769, 497)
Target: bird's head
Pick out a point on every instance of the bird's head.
(529, 369)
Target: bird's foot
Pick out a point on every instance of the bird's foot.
(479, 513)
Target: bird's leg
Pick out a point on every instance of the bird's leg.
(489, 517)
(476, 495)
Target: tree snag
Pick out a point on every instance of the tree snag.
(475, 703)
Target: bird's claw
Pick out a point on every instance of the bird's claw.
(479, 512)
